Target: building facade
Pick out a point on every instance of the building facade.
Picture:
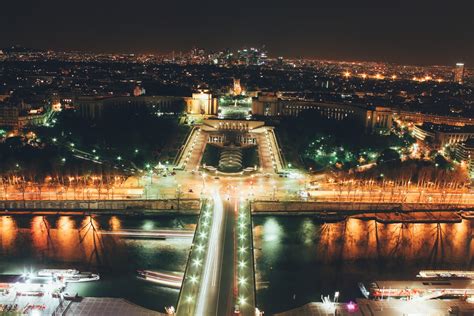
(93, 107)
(201, 103)
(9, 116)
(13, 117)
(437, 136)
(419, 118)
(465, 154)
(372, 119)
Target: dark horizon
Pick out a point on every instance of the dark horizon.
(424, 33)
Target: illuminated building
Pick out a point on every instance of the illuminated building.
(14, 117)
(9, 116)
(465, 154)
(201, 103)
(93, 107)
(419, 118)
(459, 73)
(376, 119)
(237, 87)
(252, 56)
(438, 136)
(138, 91)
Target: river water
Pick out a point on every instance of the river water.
(298, 259)
(35, 242)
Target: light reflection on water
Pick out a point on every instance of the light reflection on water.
(35, 242)
(299, 258)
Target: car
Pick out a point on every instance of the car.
(190, 191)
(217, 178)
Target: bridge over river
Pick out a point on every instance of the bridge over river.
(219, 276)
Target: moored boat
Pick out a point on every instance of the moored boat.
(446, 274)
(69, 275)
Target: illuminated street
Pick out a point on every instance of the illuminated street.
(236, 159)
(220, 278)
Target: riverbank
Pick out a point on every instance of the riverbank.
(303, 207)
(363, 307)
(383, 213)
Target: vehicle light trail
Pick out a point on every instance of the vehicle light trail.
(165, 279)
(210, 274)
(161, 234)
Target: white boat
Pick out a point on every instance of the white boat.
(69, 275)
(57, 272)
(446, 274)
(82, 277)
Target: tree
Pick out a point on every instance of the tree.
(388, 156)
(441, 162)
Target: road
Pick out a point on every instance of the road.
(217, 292)
(188, 184)
(209, 291)
(227, 278)
(216, 295)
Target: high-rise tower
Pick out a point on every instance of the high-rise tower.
(459, 73)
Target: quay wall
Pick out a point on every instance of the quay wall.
(168, 206)
(301, 207)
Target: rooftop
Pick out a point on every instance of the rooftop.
(447, 128)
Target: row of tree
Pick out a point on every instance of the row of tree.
(418, 172)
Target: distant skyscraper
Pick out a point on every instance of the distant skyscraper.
(459, 73)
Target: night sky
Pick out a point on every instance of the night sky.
(412, 32)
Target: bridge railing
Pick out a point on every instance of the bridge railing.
(188, 294)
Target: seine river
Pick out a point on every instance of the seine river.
(298, 259)
(34, 242)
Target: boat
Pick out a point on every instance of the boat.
(81, 277)
(420, 288)
(28, 285)
(168, 279)
(446, 274)
(69, 275)
(56, 272)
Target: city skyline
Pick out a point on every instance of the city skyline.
(237, 158)
(399, 33)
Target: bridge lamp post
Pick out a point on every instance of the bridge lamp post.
(193, 279)
(199, 248)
